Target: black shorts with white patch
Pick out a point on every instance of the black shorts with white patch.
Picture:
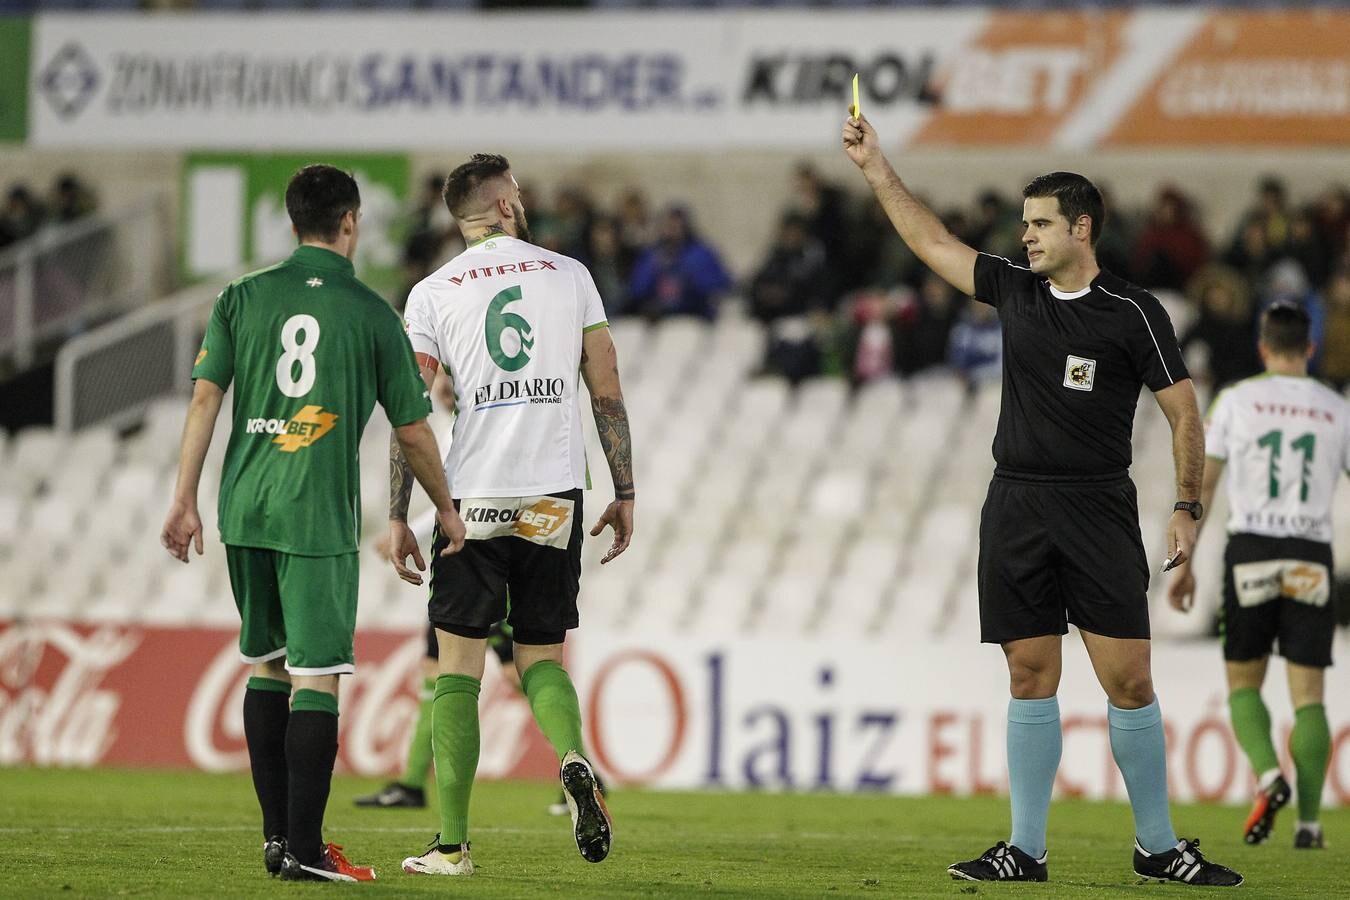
(1054, 552)
(530, 550)
(1277, 589)
(499, 642)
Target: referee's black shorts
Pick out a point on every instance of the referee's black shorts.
(1277, 588)
(1054, 552)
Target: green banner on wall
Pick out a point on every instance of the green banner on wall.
(234, 212)
(14, 43)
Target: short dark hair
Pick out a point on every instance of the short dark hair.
(1076, 195)
(464, 181)
(317, 198)
(1285, 329)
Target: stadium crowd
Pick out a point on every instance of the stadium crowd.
(25, 211)
(842, 295)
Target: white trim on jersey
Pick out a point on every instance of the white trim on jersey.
(1062, 295)
(266, 657)
(308, 672)
(1005, 259)
(1150, 332)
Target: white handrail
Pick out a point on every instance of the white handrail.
(186, 312)
(134, 269)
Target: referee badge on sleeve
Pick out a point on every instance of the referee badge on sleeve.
(1079, 373)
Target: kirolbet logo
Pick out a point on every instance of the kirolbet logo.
(300, 430)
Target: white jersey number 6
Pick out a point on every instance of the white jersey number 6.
(302, 353)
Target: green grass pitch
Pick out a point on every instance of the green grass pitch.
(182, 834)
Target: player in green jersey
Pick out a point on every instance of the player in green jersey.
(310, 350)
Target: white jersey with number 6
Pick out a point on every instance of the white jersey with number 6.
(505, 319)
(1286, 441)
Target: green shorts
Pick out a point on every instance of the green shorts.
(299, 607)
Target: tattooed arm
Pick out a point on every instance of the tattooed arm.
(413, 453)
(600, 368)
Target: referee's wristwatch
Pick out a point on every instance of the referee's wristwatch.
(1191, 506)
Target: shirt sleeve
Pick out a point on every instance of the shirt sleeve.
(1345, 425)
(215, 359)
(421, 325)
(593, 308)
(402, 393)
(1153, 345)
(1217, 423)
(997, 278)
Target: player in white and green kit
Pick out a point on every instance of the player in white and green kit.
(515, 327)
(309, 350)
(1284, 440)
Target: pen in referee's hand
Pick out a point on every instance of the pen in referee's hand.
(1171, 562)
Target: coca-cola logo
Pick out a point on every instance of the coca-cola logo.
(53, 711)
(76, 695)
(379, 706)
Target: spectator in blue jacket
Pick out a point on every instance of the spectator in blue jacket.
(976, 349)
(678, 275)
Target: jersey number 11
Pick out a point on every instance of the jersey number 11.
(1273, 440)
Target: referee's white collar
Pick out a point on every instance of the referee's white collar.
(1061, 295)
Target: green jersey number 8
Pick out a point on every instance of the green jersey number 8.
(297, 352)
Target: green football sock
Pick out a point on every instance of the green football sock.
(553, 700)
(1310, 746)
(1251, 724)
(454, 728)
(419, 749)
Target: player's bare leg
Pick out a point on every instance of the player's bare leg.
(1310, 746)
(1137, 743)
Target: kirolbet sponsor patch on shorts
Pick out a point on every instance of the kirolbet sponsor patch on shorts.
(541, 520)
(1297, 579)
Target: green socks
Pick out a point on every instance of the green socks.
(419, 749)
(1310, 746)
(454, 728)
(1251, 724)
(553, 700)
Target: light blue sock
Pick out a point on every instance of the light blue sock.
(1138, 746)
(1034, 746)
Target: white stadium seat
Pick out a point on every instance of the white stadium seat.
(817, 512)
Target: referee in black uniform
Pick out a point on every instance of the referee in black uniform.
(1059, 535)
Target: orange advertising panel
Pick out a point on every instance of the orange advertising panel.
(1022, 77)
(1250, 79)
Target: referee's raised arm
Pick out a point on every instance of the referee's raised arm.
(917, 225)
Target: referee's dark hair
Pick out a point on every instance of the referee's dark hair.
(317, 198)
(1076, 195)
(464, 181)
(1285, 329)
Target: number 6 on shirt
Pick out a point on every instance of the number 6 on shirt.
(302, 353)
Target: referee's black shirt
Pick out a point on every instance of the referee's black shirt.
(1073, 366)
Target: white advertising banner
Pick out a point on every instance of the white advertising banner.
(378, 81)
(920, 719)
(691, 80)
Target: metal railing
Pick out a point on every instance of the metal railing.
(66, 278)
(110, 375)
